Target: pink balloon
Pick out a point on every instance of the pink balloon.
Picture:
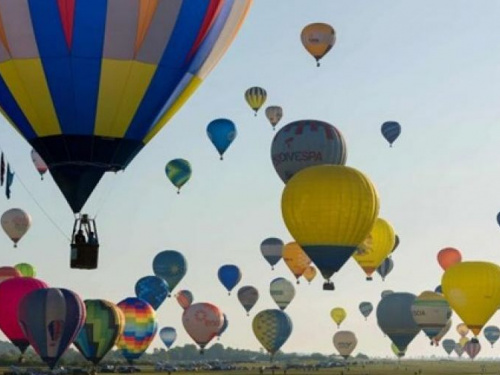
(202, 322)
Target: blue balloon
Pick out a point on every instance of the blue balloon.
(224, 326)
(171, 266)
(272, 328)
(439, 289)
(385, 267)
(222, 133)
(168, 336)
(229, 276)
(449, 345)
(492, 333)
(152, 289)
(391, 131)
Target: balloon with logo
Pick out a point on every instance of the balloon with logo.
(442, 333)
(272, 328)
(459, 349)
(171, 266)
(104, 323)
(255, 97)
(306, 143)
(7, 272)
(12, 292)
(139, 329)
(473, 291)
(248, 297)
(385, 267)
(492, 333)
(375, 248)
(318, 39)
(224, 326)
(391, 131)
(395, 319)
(184, 298)
(271, 249)
(296, 259)
(338, 315)
(309, 273)
(26, 269)
(274, 113)
(40, 165)
(366, 309)
(448, 256)
(449, 345)
(168, 336)
(329, 210)
(202, 321)
(345, 342)
(431, 312)
(282, 292)
(178, 171)
(221, 132)
(398, 353)
(472, 348)
(15, 223)
(229, 275)
(51, 318)
(152, 289)
(462, 329)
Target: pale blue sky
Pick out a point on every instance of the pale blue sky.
(432, 66)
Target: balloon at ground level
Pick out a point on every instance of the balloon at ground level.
(449, 345)
(168, 335)
(272, 328)
(345, 342)
(366, 309)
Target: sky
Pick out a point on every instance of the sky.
(432, 66)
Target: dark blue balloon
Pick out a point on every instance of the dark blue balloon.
(152, 289)
(391, 131)
(498, 218)
(224, 326)
(439, 289)
(229, 276)
(222, 133)
(171, 266)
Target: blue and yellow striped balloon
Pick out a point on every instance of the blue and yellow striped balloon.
(178, 172)
(272, 328)
(255, 97)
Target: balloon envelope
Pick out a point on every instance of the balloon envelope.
(492, 333)
(448, 256)
(391, 131)
(184, 298)
(271, 249)
(309, 273)
(431, 312)
(7, 272)
(318, 38)
(385, 293)
(178, 171)
(462, 329)
(449, 345)
(365, 308)
(459, 349)
(442, 333)
(255, 97)
(152, 289)
(229, 275)
(224, 326)
(40, 165)
(345, 342)
(338, 314)
(282, 292)
(248, 297)
(274, 114)
(472, 348)
(272, 328)
(295, 258)
(168, 336)
(26, 269)
(385, 267)
(221, 132)
(171, 266)
(15, 223)
(202, 321)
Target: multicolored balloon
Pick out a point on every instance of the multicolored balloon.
(318, 39)
(492, 333)
(229, 275)
(8, 272)
(274, 114)
(221, 132)
(366, 309)
(431, 312)
(15, 223)
(248, 297)
(168, 335)
(139, 330)
(385, 267)
(40, 165)
(391, 131)
(26, 269)
(310, 273)
(202, 321)
(255, 97)
(171, 266)
(184, 298)
(152, 289)
(103, 326)
(272, 328)
(282, 292)
(306, 143)
(449, 345)
(345, 342)
(338, 315)
(448, 256)
(296, 259)
(271, 249)
(51, 319)
(178, 171)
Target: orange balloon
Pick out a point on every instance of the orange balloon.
(295, 258)
(448, 256)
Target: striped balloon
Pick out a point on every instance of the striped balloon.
(385, 267)
(178, 172)
(431, 312)
(255, 97)
(248, 297)
(271, 249)
(282, 292)
(391, 131)
(272, 328)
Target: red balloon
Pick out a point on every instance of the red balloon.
(8, 273)
(448, 256)
(12, 292)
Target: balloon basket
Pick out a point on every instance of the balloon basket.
(84, 256)
(328, 286)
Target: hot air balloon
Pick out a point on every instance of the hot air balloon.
(105, 77)
(385, 293)
(449, 345)
(224, 326)
(398, 353)
(318, 39)
(184, 298)
(296, 259)
(248, 297)
(366, 309)
(309, 273)
(272, 328)
(15, 222)
(139, 329)
(274, 113)
(462, 329)
(168, 336)
(271, 249)
(473, 291)
(395, 319)
(448, 256)
(51, 319)
(438, 289)
(40, 165)
(385, 267)
(338, 314)
(178, 171)
(329, 210)
(103, 326)
(229, 275)
(26, 269)
(459, 349)
(463, 341)
(282, 292)
(492, 333)
(345, 342)
(255, 97)
(375, 248)
(472, 348)
(221, 132)
(12, 291)
(391, 131)
(152, 289)
(442, 333)
(431, 312)
(396, 243)
(7, 272)
(202, 322)
(171, 266)
(306, 143)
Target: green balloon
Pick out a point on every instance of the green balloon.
(26, 269)
(178, 172)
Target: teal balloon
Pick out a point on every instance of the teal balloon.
(449, 345)
(168, 336)
(171, 266)
(272, 328)
(229, 275)
(492, 333)
(221, 132)
(366, 309)
(178, 171)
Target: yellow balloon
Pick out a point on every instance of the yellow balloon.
(295, 258)
(338, 315)
(463, 341)
(329, 210)
(397, 352)
(376, 247)
(309, 273)
(318, 39)
(473, 291)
